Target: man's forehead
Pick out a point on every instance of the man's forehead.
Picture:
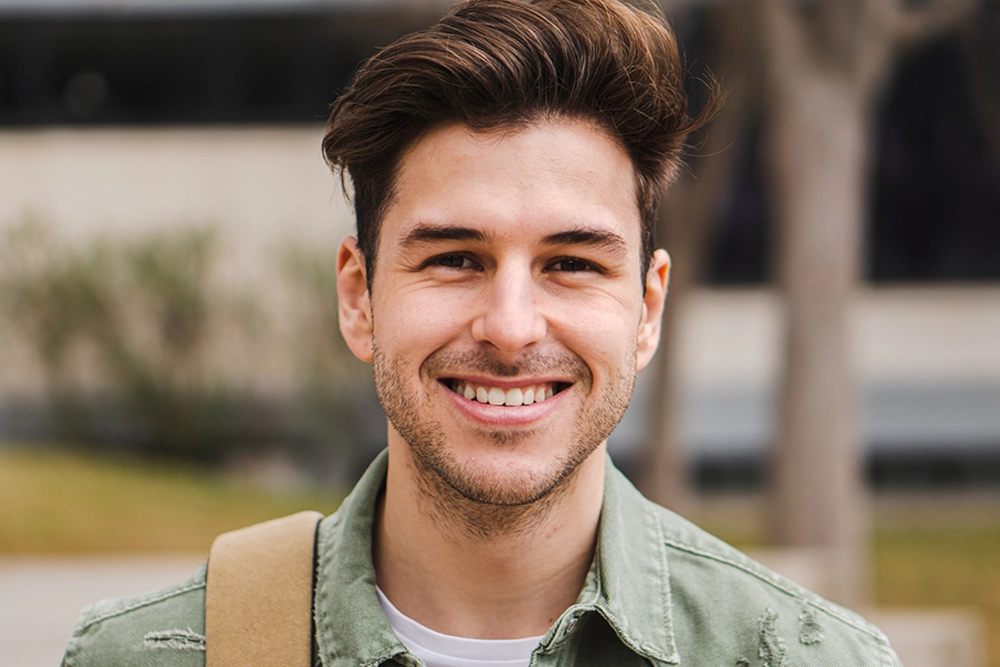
(455, 178)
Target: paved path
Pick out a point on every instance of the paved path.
(40, 597)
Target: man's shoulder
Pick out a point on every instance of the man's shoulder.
(720, 591)
(163, 627)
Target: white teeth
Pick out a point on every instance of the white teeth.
(497, 396)
(514, 397)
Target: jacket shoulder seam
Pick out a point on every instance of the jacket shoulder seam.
(141, 603)
(780, 586)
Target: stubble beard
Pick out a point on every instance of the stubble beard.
(486, 503)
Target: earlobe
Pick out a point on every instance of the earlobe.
(657, 279)
(354, 302)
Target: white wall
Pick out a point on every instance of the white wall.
(259, 184)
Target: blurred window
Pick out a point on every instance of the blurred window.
(165, 68)
(936, 194)
(934, 211)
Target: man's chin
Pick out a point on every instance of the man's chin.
(502, 489)
(500, 479)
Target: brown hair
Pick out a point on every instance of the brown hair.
(505, 63)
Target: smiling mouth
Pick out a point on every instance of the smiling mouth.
(508, 397)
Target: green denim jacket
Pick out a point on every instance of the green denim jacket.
(660, 591)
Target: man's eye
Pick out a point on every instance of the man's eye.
(453, 262)
(572, 265)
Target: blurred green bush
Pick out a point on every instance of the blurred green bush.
(129, 335)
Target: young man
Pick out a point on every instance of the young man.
(506, 165)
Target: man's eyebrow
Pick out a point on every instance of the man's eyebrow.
(424, 233)
(588, 237)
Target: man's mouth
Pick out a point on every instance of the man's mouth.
(527, 395)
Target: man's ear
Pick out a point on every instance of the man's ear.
(355, 306)
(657, 279)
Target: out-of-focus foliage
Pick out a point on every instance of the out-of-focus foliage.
(139, 311)
(54, 299)
(333, 399)
(128, 333)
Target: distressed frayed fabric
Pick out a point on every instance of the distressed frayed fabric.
(183, 640)
(660, 591)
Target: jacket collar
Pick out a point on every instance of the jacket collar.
(628, 583)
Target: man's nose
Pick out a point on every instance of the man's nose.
(510, 318)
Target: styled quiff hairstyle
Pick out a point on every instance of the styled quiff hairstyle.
(491, 64)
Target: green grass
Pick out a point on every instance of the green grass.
(59, 502)
(942, 567)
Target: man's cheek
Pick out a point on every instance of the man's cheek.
(419, 325)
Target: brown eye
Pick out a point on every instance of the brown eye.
(454, 262)
(572, 265)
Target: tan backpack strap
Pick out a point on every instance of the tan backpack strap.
(258, 600)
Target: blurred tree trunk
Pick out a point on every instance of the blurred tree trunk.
(825, 63)
(684, 229)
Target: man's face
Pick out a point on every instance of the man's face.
(507, 318)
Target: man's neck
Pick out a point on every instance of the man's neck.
(507, 573)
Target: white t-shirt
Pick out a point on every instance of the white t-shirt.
(440, 650)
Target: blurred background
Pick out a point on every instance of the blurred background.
(827, 393)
